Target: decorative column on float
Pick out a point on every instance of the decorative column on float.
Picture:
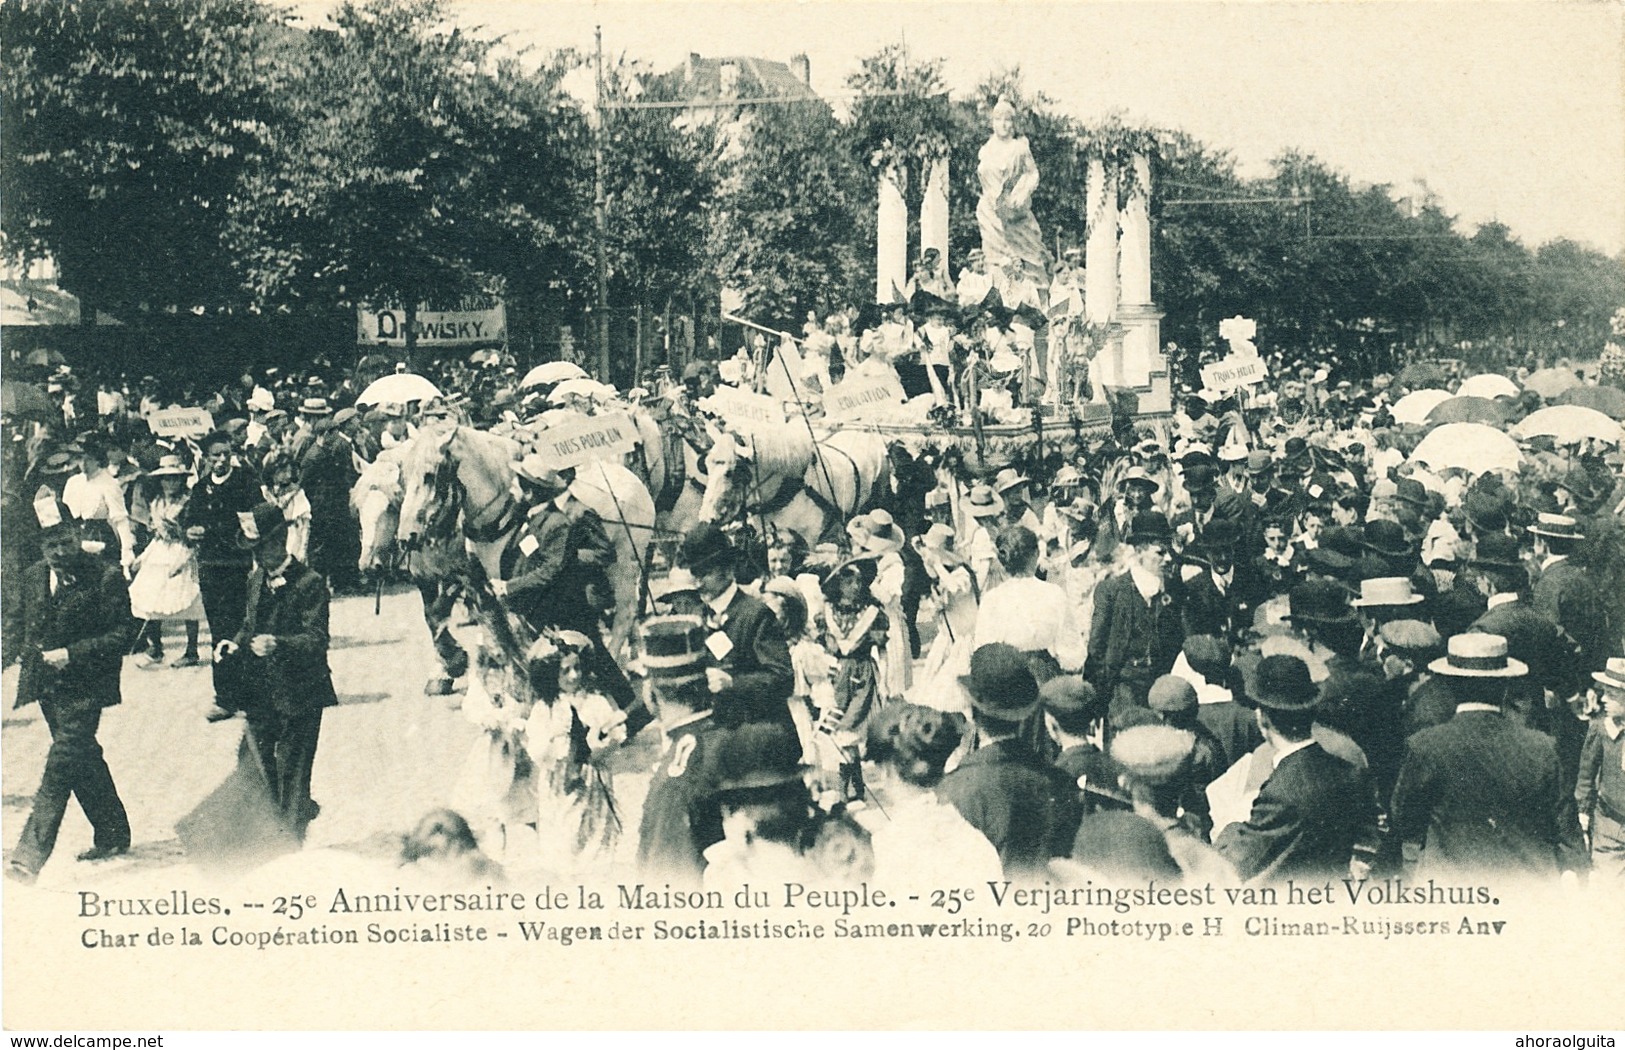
(891, 235)
(1100, 275)
(934, 209)
(1136, 313)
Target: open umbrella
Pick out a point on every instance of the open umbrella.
(1415, 406)
(45, 357)
(1608, 400)
(1467, 410)
(1474, 447)
(1420, 376)
(27, 401)
(552, 372)
(1487, 384)
(398, 389)
(375, 361)
(1550, 382)
(1570, 424)
(582, 387)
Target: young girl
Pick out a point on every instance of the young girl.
(496, 792)
(282, 488)
(853, 628)
(814, 667)
(571, 733)
(166, 579)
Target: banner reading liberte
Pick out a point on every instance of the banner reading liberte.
(591, 438)
(736, 405)
(434, 327)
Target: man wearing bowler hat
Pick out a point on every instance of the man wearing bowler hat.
(75, 611)
(1136, 632)
(681, 818)
(1219, 593)
(1481, 794)
(279, 656)
(752, 678)
(1313, 810)
(1532, 637)
(1027, 809)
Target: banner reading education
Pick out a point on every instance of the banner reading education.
(591, 438)
(852, 397)
(434, 327)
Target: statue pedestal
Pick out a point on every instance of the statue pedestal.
(1133, 361)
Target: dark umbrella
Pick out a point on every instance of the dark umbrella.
(1421, 375)
(1608, 400)
(1550, 382)
(1468, 410)
(45, 357)
(27, 401)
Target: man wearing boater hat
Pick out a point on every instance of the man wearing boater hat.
(1480, 793)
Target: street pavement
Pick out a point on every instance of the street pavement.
(387, 755)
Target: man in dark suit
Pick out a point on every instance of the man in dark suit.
(75, 614)
(1314, 810)
(1219, 594)
(1029, 810)
(1136, 633)
(753, 678)
(223, 490)
(1551, 655)
(1481, 794)
(279, 657)
(681, 816)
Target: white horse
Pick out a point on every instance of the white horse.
(474, 471)
(781, 477)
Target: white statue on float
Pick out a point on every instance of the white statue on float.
(1011, 240)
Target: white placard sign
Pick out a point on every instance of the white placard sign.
(590, 438)
(1234, 371)
(739, 406)
(181, 422)
(434, 327)
(852, 397)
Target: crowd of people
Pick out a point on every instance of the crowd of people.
(1252, 642)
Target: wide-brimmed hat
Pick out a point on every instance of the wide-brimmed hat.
(1153, 754)
(1387, 538)
(169, 466)
(706, 546)
(674, 649)
(1414, 638)
(1409, 490)
(315, 406)
(1319, 601)
(261, 401)
(1138, 476)
(59, 462)
(1000, 683)
(1557, 526)
(1082, 508)
(1386, 590)
(1496, 551)
(757, 755)
(876, 531)
(1473, 654)
(1149, 526)
(1009, 478)
(983, 502)
(1259, 462)
(1068, 475)
(265, 522)
(1612, 676)
(1283, 683)
(536, 470)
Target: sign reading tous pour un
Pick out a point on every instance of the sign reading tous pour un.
(853, 397)
(181, 422)
(590, 438)
(434, 327)
(738, 406)
(1234, 371)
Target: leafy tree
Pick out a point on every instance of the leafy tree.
(128, 129)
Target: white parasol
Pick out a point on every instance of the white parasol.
(1474, 447)
(398, 389)
(552, 372)
(1488, 384)
(1415, 406)
(1570, 424)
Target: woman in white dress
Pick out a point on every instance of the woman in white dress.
(96, 498)
(1032, 615)
(166, 578)
(918, 838)
(952, 603)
